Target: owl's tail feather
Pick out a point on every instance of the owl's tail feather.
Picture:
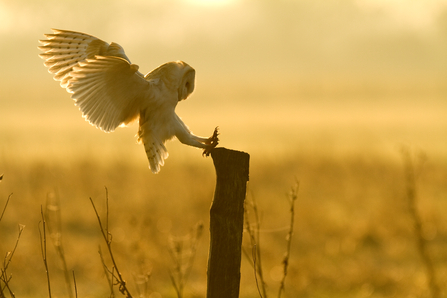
(156, 152)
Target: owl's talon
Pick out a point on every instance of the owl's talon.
(207, 150)
(212, 142)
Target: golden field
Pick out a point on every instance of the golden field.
(353, 236)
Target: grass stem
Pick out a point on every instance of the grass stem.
(421, 243)
(108, 239)
(43, 247)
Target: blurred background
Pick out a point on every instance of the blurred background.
(273, 75)
(325, 91)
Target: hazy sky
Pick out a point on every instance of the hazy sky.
(267, 40)
(246, 52)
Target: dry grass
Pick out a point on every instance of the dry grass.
(5, 277)
(413, 169)
(183, 251)
(353, 234)
(113, 275)
(253, 229)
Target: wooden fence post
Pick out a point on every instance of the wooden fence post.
(227, 223)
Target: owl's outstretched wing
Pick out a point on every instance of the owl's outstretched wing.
(108, 91)
(64, 49)
(105, 86)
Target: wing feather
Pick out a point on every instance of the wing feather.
(63, 50)
(108, 91)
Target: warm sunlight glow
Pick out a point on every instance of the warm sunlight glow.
(417, 14)
(5, 17)
(345, 98)
(211, 2)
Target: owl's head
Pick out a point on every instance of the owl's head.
(177, 76)
(186, 83)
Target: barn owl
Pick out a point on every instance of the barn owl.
(110, 91)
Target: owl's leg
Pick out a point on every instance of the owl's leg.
(207, 144)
